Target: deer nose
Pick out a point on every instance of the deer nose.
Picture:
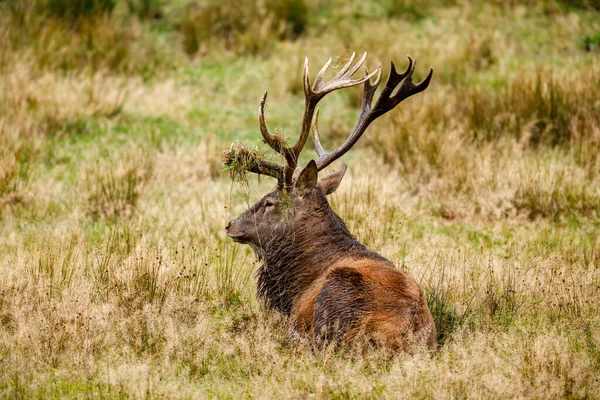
(228, 226)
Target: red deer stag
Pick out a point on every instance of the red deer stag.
(313, 270)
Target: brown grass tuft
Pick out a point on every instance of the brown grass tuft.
(114, 186)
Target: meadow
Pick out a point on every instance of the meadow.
(117, 279)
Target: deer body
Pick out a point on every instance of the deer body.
(314, 271)
(357, 296)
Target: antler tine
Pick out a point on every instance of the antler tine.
(317, 141)
(319, 78)
(346, 67)
(408, 88)
(318, 90)
(356, 67)
(394, 78)
(343, 79)
(268, 138)
(369, 90)
(390, 97)
(306, 78)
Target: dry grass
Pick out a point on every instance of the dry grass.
(117, 279)
(94, 34)
(114, 188)
(251, 29)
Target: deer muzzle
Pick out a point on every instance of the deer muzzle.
(233, 233)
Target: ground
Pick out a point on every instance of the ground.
(116, 276)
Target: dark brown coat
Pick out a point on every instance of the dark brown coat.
(317, 273)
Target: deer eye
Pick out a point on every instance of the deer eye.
(269, 203)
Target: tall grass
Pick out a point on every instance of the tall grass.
(114, 188)
(19, 150)
(250, 29)
(71, 35)
(547, 107)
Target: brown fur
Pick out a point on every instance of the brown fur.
(396, 314)
(317, 273)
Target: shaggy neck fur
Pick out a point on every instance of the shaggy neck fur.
(302, 252)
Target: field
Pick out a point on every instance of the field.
(117, 279)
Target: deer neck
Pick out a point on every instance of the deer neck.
(301, 254)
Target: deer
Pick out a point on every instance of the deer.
(314, 271)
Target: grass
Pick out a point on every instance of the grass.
(118, 280)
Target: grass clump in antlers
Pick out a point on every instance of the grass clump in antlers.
(239, 160)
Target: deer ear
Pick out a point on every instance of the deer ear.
(331, 182)
(307, 180)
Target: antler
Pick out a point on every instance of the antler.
(397, 88)
(241, 159)
(312, 95)
(390, 97)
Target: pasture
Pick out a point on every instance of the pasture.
(117, 279)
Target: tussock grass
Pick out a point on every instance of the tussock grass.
(68, 35)
(117, 279)
(17, 154)
(538, 153)
(114, 188)
(251, 29)
(542, 108)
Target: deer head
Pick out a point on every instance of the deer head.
(298, 203)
